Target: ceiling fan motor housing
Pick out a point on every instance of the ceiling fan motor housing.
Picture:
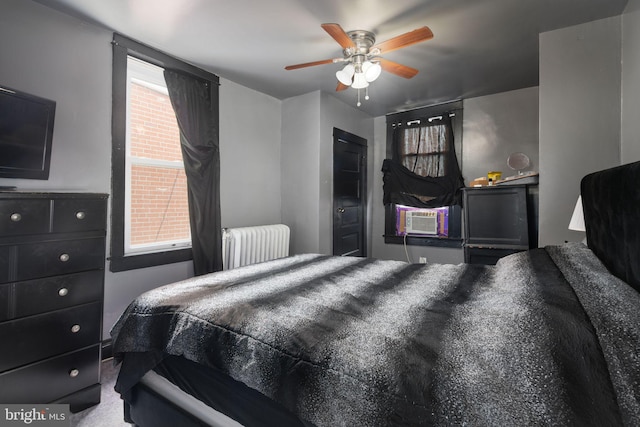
(363, 41)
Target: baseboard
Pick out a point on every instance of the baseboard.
(107, 349)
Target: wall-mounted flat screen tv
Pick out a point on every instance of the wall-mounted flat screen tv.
(26, 132)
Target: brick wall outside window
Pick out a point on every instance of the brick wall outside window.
(159, 210)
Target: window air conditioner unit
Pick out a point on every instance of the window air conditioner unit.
(421, 222)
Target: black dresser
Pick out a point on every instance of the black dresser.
(499, 220)
(52, 256)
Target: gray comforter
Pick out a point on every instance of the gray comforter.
(546, 337)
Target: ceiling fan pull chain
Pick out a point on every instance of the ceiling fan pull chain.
(359, 103)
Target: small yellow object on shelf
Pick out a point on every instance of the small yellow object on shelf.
(494, 175)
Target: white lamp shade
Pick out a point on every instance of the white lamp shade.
(371, 71)
(577, 219)
(359, 81)
(344, 76)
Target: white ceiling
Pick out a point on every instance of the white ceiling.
(479, 46)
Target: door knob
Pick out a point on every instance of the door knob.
(340, 210)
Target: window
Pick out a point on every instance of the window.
(156, 209)
(420, 147)
(150, 213)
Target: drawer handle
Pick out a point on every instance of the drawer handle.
(63, 292)
(74, 373)
(75, 329)
(64, 257)
(16, 217)
(81, 215)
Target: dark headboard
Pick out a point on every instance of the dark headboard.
(611, 202)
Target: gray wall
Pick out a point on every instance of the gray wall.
(250, 134)
(580, 80)
(300, 154)
(54, 56)
(50, 54)
(630, 144)
(494, 126)
(307, 165)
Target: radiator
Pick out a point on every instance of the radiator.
(249, 245)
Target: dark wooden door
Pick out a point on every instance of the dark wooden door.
(349, 194)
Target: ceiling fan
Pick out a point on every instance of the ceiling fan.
(364, 57)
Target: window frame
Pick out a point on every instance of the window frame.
(124, 47)
(454, 240)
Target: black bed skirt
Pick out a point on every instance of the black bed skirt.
(145, 407)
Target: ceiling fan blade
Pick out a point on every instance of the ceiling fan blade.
(397, 69)
(341, 86)
(309, 64)
(406, 39)
(339, 35)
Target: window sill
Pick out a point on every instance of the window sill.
(442, 242)
(132, 262)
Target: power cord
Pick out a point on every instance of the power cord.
(405, 249)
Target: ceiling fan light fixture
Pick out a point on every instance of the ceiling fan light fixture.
(372, 71)
(346, 74)
(359, 81)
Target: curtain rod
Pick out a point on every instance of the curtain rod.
(418, 121)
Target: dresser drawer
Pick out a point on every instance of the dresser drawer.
(4, 301)
(83, 214)
(33, 338)
(59, 257)
(4, 264)
(24, 216)
(54, 293)
(51, 379)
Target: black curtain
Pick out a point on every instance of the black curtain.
(406, 187)
(195, 103)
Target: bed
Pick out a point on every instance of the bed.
(550, 336)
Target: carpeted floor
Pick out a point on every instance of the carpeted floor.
(109, 413)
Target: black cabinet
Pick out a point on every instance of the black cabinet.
(498, 221)
(52, 254)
